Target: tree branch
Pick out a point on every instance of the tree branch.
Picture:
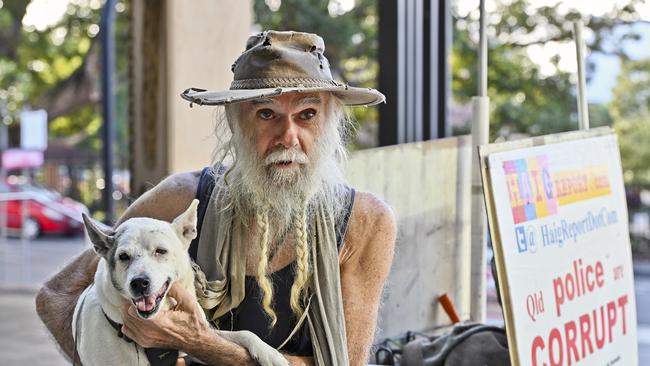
(10, 40)
(83, 87)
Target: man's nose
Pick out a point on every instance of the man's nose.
(288, 132)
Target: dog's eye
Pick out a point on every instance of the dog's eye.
(124, 257)
(161, 251)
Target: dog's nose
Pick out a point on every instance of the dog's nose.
(140, 285)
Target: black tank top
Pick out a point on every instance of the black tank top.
(249, 315)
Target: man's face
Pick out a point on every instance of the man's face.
(287, 123)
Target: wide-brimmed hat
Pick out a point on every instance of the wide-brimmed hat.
(276, 63)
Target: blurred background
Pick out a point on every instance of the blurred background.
(90, 115)
(50, 60)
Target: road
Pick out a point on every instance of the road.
(24, 266)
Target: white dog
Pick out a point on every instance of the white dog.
(139, 262)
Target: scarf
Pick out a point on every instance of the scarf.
(220, 281)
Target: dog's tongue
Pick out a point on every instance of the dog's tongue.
(146, 303)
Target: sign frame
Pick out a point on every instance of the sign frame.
(484, 152)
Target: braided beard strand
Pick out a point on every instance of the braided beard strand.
(286, 198)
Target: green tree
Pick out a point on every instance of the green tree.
(523, 99)
(57, 68)
(630, 109)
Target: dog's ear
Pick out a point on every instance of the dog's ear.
(185, 223)
(102, 238)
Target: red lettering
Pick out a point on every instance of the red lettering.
(570, 287)
(590, 282)
(576, 342)
(559, 294)
(600, 339)
(611, 318)
(538, 343)
(555, 337)
(622, 301)
(599, 274)
(585, 338)
(570, 338)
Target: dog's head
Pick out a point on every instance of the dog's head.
(145, 256)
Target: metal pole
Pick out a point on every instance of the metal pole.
(482, 53)
(108, 102)
(4, 144)
(480, 134)
(583, 110)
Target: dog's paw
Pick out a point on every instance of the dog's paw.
(261, 352)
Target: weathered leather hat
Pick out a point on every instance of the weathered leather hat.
(276, 63)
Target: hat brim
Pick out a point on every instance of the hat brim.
(348, 95)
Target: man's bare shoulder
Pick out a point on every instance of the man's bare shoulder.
(167, 199)
(372, 226)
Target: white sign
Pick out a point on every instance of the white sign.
(33, 130)
(565, 263)
(22, 159)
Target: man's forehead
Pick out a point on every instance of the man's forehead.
(298, 99)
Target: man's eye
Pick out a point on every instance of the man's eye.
(307, 114)
(265, 114)
(124, 257)
(161, 251)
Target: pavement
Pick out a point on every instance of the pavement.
(24, 266)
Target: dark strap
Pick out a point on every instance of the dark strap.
(156, 356)
(342, 222)
(203, 193)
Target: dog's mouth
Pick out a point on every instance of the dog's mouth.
(147, 306)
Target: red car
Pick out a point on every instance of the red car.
(47, 211)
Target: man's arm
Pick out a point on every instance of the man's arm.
(56, 300)
(365, 261)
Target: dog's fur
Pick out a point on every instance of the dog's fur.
(141, 249)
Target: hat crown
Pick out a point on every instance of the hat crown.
(282, 59)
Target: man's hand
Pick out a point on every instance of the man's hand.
(174, 328)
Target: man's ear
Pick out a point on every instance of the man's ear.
(101, 236)
(185, 223)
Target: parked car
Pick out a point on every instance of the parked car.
(47, 211)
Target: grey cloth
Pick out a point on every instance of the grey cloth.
(466, 345)
(221, 279)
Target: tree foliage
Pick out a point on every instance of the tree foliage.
(57, 68)
(630, 110)
(524, 98)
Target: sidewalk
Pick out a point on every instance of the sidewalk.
(24, 266)
(23, 339)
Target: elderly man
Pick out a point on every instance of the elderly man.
(286, 249)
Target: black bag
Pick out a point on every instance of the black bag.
(467, 344)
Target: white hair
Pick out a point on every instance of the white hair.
(297, 193)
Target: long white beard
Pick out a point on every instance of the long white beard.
(256, 185)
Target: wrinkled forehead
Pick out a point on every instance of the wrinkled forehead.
(146, 232)
(288, 100)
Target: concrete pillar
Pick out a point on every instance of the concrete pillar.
(178, 44)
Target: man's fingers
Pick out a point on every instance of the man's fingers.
(127, 331)
(132, 312)
(184, 299)
(179, 293)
